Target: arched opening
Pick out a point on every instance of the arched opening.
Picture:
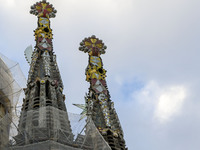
(37, 91)
(47, 87)
(36, 100)
(48, 94)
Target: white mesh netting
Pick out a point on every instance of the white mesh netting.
(86, 136)
(10, 91)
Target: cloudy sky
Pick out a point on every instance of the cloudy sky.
(152, 61)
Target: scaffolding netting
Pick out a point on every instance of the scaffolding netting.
(12, 81)
(10, 90)
(85, 134)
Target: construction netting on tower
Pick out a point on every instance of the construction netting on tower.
(85, 134)
(92, 139)
(10, 91)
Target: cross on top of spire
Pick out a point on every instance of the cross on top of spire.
(43, 9)
(93, 46)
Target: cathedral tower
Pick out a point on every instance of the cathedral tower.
(98, 103)
(44, 116)
(44, 123)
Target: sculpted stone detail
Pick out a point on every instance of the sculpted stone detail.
(98, 103)
(44, 116)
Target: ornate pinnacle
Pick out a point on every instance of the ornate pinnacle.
(43, 9)
(43, 36)
(93, 46)
(98, 103)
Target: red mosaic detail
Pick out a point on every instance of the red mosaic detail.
(44, 44)
(43, 9)
(93, 46)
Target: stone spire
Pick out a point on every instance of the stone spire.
(99, 105)
(44, 116)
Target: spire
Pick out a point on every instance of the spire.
(43, 37)
(44, 116)
(99, 105)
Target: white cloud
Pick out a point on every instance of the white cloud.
(169, 103)
(164, 102)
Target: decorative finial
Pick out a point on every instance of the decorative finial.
(93, 46)
(43, 9)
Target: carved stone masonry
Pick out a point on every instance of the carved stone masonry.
(102, 110)
(44, 116)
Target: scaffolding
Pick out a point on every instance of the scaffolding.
(85, 134)
(10, 91)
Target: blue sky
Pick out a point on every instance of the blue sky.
(152, 61)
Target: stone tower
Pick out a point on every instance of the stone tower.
(98, 103)
(44, 120)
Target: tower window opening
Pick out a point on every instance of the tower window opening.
(47, 87)
(36, 103)
(37, 89)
